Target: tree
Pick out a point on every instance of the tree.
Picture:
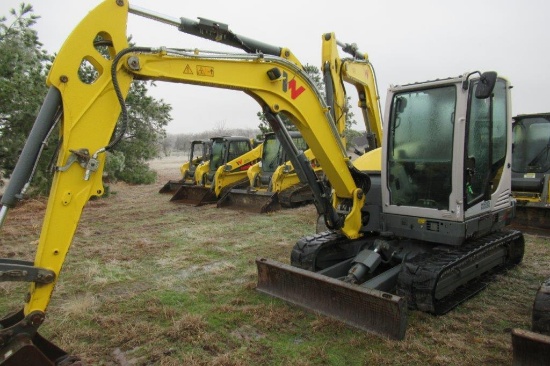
(147, 118)
(23, 67)
(23, 70)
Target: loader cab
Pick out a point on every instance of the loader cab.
(445, 154)
(199, 153)
(530, 155)
(273, 155)
(225, 149)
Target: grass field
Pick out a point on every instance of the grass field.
(150, 282)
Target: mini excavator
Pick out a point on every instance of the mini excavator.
(425, 231)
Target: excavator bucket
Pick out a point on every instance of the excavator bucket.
(30, 348)
(371, 310)
(251, 201)
(194, 195)
(171, 186)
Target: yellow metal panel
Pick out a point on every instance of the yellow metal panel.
(90, 112)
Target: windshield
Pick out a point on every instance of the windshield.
(196, 151)
(421, 146)
(531, 152)
(216, 157)
(300, 143)
(271, 154)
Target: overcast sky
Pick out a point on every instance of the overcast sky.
(407, 41)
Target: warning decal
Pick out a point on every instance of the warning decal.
(205, 70)
(188, 70)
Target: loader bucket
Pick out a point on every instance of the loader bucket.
(370, 310)
(171, 186)
(532, 217)
(251, 201)
(530, 348)
(194, 195)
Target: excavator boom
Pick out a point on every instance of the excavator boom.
(87, 114)
(429, 223)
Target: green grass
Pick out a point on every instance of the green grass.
(152, 282)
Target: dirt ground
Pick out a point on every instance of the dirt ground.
(148, 282)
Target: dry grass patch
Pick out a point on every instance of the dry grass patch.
(150, 282)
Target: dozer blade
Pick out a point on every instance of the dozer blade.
(246, 200)
(171, 186)
(530, 348)
(194, 195)
(371, 310)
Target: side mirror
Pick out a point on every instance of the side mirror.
(486, 85)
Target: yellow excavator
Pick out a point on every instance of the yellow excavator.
(198, 155)
(421, 233)
(273, 182)
(531, 170)
(230, 158)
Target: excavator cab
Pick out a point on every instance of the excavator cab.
(440, 168)
(433, 225)
(199, 154)
(531, 170)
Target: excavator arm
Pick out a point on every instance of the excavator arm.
(359, 72)
(88, 113)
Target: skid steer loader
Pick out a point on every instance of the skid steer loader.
(272, 183)
(425, 231)
(199, 155)
(531, 170)
(229, 159)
